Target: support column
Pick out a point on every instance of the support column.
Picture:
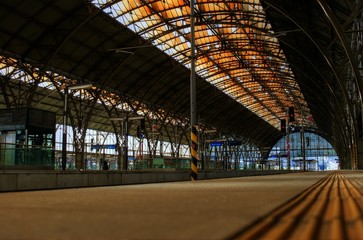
(193, 102)
(302, 140)
(359, 154)
(64, 140)
(125, 148)
(288, 148)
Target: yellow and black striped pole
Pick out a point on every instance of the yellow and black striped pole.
(193, 101)
(194, 153)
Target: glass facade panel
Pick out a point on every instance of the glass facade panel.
(308, 148)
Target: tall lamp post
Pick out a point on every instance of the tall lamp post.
(64, 142)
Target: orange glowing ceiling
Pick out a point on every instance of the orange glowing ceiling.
(236, 49)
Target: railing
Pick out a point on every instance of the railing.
(19, 156)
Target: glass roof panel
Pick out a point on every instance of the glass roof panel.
(236, 49)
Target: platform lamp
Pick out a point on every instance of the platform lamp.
(64, 142)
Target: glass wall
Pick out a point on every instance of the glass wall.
(230, 155)
(307, 151)
(100, 147)
(227, 156)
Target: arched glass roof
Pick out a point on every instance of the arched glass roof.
(236, 49)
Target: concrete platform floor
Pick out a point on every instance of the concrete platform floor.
(206, 209)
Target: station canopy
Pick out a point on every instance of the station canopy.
(236, 49)
(141, 49)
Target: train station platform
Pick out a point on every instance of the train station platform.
(310, 205)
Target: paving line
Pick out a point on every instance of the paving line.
(353, 211)
(331, 224)
(329, 209)
(261, 227)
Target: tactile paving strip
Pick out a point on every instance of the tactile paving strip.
(330, 209)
